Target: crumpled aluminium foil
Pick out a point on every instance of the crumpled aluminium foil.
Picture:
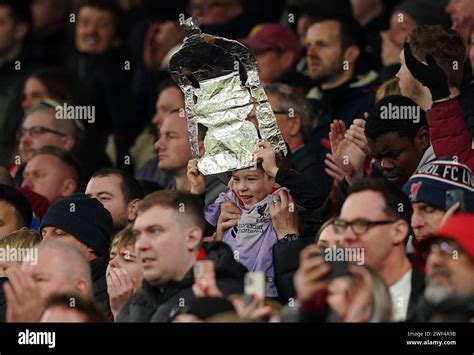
(209, 70)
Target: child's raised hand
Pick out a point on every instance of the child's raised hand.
(195, 178)
(266, 155)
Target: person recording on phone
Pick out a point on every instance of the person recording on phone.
(430, 190)
(375, 217)
(169, 230)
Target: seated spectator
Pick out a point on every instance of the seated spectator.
(50, 33)
(378, 214)
(435, 85)
(41, 128)
(99, 62)
(374, 17)
(395, 134)
(293, 114)
(399, 146)
(15, 211)
(20, 240)
(170, 98)
(59, 268)
(388, 88)
(14, 51)
(71, 308)
(449, 257)
(167, 261)
(174, 152)
(53, 83)
(405, 18)
(124, 273)
(344, 295)
(252, 239)
(333, 49)
(226, 18)
(277, 51)
(120, 194)
(57, 87)
(52, 172)
(85, 224)
(427, 192)
(327, 236)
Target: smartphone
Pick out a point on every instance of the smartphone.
(338, 269)
(453, 196)
(203, 271)
(254, 283)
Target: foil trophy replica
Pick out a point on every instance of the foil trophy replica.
(220, 82)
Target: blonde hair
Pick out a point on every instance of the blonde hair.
(123, 239)
(388, 88)
(21, 239)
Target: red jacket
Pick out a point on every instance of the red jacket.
(448, 132)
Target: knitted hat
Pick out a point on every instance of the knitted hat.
(424, 12)
(205, 307)
(84, 218)
(430, 183)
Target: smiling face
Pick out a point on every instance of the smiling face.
(96, 31)
(251, 185)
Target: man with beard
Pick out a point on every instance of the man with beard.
(449, 270)
(333, 49)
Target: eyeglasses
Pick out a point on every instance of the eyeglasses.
(38, 131)
(444, 246)
(359, 226)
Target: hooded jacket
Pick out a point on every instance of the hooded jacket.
(153, 304)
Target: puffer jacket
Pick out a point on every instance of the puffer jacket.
(153, 304)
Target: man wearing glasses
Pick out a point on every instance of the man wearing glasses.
(40, 128)
(376, 217)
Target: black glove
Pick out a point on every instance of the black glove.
(431, 75)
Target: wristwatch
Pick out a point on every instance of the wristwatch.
(291, 237)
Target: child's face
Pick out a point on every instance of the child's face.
(251, 185)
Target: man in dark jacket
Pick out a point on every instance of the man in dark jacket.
(333, 50)
(84, 223)
(169, 228)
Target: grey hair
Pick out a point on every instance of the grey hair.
(292, 102)
(68, 127)
(75, 264)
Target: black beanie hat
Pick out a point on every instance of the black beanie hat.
(19, 201)
(84, 218)
(425, 12)
(204, 307)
